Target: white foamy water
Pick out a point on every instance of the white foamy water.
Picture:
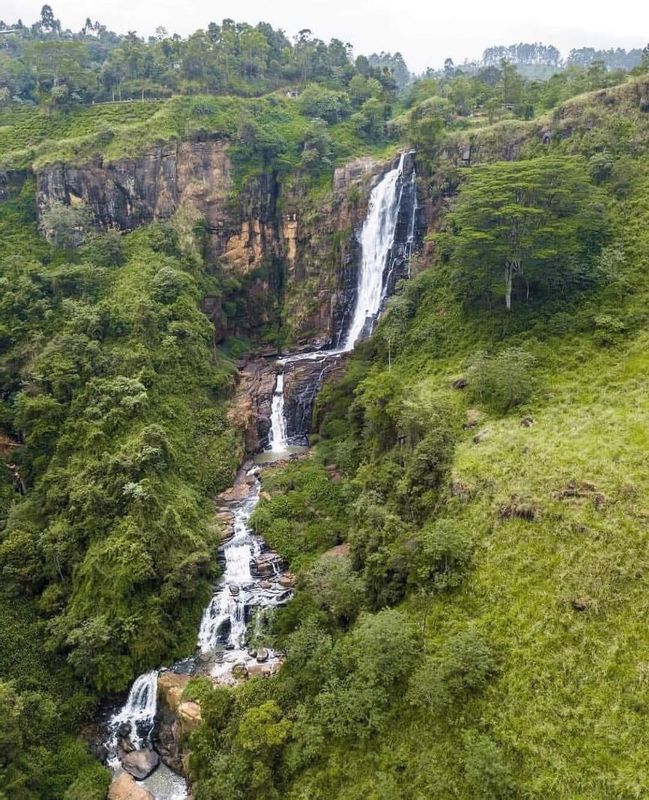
(278, 437)
(138, 712)
(239, 588)
(377, 239)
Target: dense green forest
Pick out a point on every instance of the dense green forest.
(480, 465)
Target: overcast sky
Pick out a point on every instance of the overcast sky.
(425, 32)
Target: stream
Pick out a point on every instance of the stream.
(253, 579)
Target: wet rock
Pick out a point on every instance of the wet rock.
(262, 655)
(265, 585)
(251, 406)
(124, 787)
(302, 380)
(234, 590)
(264, 565)
(240, 672)
(124, 730)
(140, 763)
(264, 670)
(286, 580)
(126, 745)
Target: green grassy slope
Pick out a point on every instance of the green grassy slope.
(555, 510)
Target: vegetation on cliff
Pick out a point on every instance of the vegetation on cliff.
(113, 390)
(480, 632)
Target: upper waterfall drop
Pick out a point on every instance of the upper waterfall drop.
(278, 435)
(377, 239)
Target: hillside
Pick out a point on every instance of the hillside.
(531, 679)
(468, 530)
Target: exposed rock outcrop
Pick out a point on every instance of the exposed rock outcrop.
(169, 733)
(124, 787)
(297, 254)
(140, 763)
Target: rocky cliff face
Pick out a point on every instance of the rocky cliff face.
(295, 254)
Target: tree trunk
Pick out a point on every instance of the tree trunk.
(509, 277)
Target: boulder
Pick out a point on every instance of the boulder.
(124, 787)
(262, 655)
(240, 672)
(126, 744)
(287, 580)
(140, 763)
(171, 686)
(264, 565)
(263, 670)
(472, 419)
(190, 717)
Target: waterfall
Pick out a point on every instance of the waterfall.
(387, 239)
(278, 435)
(410, 241)
(377, 239)
(137, 713)
(226, 610)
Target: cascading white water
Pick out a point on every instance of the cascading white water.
(239, 588)
(377, 239)
(138, 712)
(278, 436)
(410, 242)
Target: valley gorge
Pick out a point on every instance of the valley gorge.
(252, 579)
(323, 408)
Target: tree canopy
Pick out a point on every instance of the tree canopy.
(524, 226)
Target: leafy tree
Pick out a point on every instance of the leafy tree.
(65, 226)
(369, 122)
(335, 587)
(462, 667)
(326, 104)
(443, 555)
(527, 221)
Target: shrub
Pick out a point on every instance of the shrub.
(502, 381)
(65, 226)
(327, 104)
(443, 555)
(335, 587)
(485, 768)
(462, 667)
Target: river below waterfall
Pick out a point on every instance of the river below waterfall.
(253, 580)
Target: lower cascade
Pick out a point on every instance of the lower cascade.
(252, 579)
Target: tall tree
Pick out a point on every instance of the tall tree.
(523, 222)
